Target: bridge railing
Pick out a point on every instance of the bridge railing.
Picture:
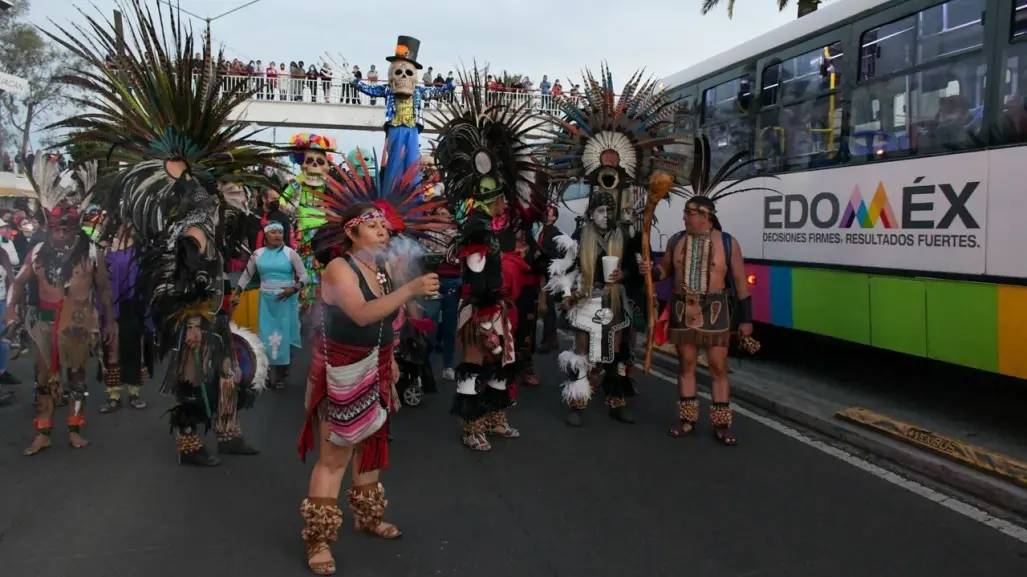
(336, 92)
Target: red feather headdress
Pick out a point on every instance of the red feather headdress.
(358, 182)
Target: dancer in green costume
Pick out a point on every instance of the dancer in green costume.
(311, 153)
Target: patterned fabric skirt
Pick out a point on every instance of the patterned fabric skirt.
(375, 449)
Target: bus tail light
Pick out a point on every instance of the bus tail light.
(751, 279)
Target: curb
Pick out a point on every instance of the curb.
(819, 416)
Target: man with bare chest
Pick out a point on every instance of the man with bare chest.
(67, 269)
(709, 293)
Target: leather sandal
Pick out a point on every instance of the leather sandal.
(477, 442)
(384, 530)
(320, 567)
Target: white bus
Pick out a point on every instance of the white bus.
(893, 132)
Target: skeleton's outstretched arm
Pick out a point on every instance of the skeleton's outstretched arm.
(372, 90)
(429, 92)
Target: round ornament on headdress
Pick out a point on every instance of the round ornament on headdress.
(482, 162)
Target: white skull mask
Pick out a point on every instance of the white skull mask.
(402, 77)
(315, 167)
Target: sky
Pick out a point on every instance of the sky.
(534, 37)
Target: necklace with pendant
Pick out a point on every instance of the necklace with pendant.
(379, 275)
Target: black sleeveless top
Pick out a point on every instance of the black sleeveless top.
(341, 329)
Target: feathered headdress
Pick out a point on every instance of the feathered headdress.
(484, 149)
(614, 142)
(356, 182)
(63, 201)
(151, 104)
(706, 190)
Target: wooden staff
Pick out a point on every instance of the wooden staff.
(659, 186)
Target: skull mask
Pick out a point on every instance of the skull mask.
(315, 167)
(402, 77)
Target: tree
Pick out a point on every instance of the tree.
(25, 52)
(805, 6)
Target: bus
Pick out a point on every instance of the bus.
(892, 134)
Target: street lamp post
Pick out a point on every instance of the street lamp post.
(207, 19)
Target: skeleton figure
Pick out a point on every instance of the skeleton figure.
(404, 101)
(305, 193)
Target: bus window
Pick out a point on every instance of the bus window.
(1019, 19)
(725, 120)
(940, 106)
(1012, 122)
(802, 77)
(800, 120)
(575, 191)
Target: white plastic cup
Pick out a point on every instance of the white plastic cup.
(610, 264)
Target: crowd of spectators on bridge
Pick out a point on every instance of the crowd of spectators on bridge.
(299, 81)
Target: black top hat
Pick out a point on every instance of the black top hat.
(406, 49)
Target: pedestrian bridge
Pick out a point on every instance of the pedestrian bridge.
(322, 104)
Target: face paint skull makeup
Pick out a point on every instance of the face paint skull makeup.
(601, 217)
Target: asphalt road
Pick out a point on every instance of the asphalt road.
(604, 500)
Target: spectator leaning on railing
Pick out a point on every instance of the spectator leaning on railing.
(293, 82)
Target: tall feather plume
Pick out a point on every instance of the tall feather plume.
(154, 103)
(88, 176)
(45, 178)
(725, 182)
(639, 125)
(473, 123)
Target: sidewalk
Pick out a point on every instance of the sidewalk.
(954, 411)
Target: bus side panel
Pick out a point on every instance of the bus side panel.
(831, 303)
(1012, 331)
(962, 323)
(759, 290)
(898, 314)
(781, 296)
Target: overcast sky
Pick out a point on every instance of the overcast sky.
(533, 37)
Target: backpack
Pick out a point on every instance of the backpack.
(732, 294)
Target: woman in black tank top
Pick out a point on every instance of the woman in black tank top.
(358, 308)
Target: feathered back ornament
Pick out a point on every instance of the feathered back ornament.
(151, 102)
(484, 149)
(164, 117)
(618, 142)
(355, 182)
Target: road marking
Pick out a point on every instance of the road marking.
(965, 509)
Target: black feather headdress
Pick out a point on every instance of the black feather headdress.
(485, 149)
(725, 182)
(617, 142)
(149, 103)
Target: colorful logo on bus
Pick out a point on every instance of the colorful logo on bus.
(858, 213)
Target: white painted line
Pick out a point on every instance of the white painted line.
(965, 509)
